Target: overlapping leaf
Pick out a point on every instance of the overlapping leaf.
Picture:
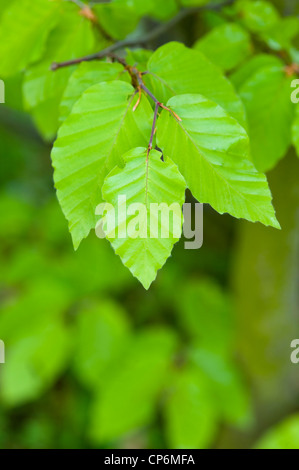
(43, 88)
(145, 180)
(211, 150)
(101, 127)
(190, 411)
(257, 15)
(103, 332)
(86, 75)
(175, 69)
(251, 67)
(227, 45)
(266, 96)
(128, 400)
(24, 28)
(118, 18)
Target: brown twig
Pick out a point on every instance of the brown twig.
(150, 145)
(149, 37)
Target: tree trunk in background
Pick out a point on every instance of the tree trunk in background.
(266, 284)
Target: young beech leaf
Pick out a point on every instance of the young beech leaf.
(266, 96)
(43, 88)
(24, 28)
(101, 127)
(281, 34)
(102, 334)
(226, 45)
(283, 435)
(117, 19)
(211, 151)
(146, 180)
(174, 70)
(258, 15)
(86, 75)
(130, 396)
(190, 411)
(251, 67)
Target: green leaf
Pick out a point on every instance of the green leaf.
(120, 17)
(24, 28)
(251, 67)
(191, 418)
(43, 88)
(101, 127)
(227, 45)
(102, 335)
(294, 54)
(266, 96)
(34, 363)
(128, 400)
(145, 180)
(262, 18)
(45, 117)
(175, 69)
(117, 18)
(4, 5)
(37, 341)
(284, 436)
(211, 150)
(108, 275)
(41, 304)
(228, 389)
(280, 35)
(138, 58)
(205, 313)
(86, 75)
(258, 15)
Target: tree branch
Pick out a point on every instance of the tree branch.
(150, 145)
(156, 32)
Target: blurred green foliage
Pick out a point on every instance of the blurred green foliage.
(199, 361)
(77, 324)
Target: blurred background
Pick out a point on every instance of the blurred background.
(201, 360)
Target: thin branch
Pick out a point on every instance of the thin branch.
(149, 37)
(149, 93)
(150, 145)
(139, 84)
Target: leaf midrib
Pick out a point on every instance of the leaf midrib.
(217, 173)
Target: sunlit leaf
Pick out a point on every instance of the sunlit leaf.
(145, 180)
(211, 150)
